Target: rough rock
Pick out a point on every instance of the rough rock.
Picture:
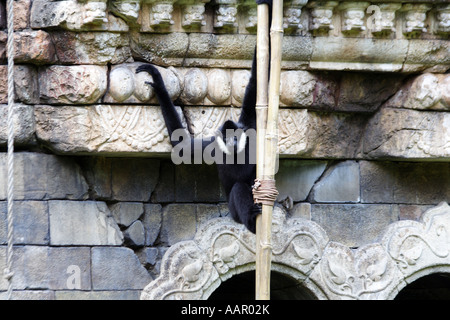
(34, 47)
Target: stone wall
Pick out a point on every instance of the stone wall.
(364, 129)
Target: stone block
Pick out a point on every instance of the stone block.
(295, 178)
(152, 222)
(124, 184)
(117, 269)
(165, 189)
(362, 92)
(197, 183)
(426, 92)
(41, 267)
(82, 223)
(42, 176)
(340, 183)
(97, 171)
(407, 134)
(26, 84)
(178, 223)
(99, 48)
(31, 223)
(21, 14)
(83, 84)
(34, 47)
(406, 183)
(125, 213)
(353, 224)
(23, 122)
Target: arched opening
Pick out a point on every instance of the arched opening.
(242, 287)
(431, 287)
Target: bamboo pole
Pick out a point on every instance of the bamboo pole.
(262, 71)
(268, 163)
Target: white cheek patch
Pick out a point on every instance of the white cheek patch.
(222, 145)
(242, 142)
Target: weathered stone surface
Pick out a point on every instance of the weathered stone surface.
(103, 128)
(41, 267)
(21, 14)
(114, 178)
(197, 183)
(125, 186)
(73, 15)
(339, 184)
(295, 178)
(363, 92)
(31, 215)
(82, 223)
(23, 121)
(425, 92)
(125, 213)
(98, 48)
(42, 176)
(134, 235)
(117, 269)
(26, 84)
(34, 47)
(352, 224)
(72, 84)
(407, 134)
(407, 183)
(178, 223)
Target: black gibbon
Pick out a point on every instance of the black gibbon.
(237, 177)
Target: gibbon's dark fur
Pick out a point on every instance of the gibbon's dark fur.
(237, 179)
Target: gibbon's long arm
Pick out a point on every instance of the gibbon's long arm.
(248, 112)
(170, 115)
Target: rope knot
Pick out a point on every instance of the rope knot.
(265, 192)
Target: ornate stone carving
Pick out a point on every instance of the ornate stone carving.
(415, 16)
(321, 15)
(302, 250)
(126, 9)
(382, 20)
(352, 15)
(226, 12)
(161, 14)
(443, 18)
(193, 15)
(292, 12)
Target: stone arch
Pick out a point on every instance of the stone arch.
(302, 250)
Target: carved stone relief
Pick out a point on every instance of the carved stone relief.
(301, 249)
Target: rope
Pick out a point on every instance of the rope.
(8, 274)
(265, 192)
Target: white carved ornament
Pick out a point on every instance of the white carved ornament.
(408, 249)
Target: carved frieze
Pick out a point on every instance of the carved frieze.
(302, 250)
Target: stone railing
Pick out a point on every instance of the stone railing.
(326, 35)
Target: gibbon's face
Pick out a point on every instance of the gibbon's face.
(231, 139)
